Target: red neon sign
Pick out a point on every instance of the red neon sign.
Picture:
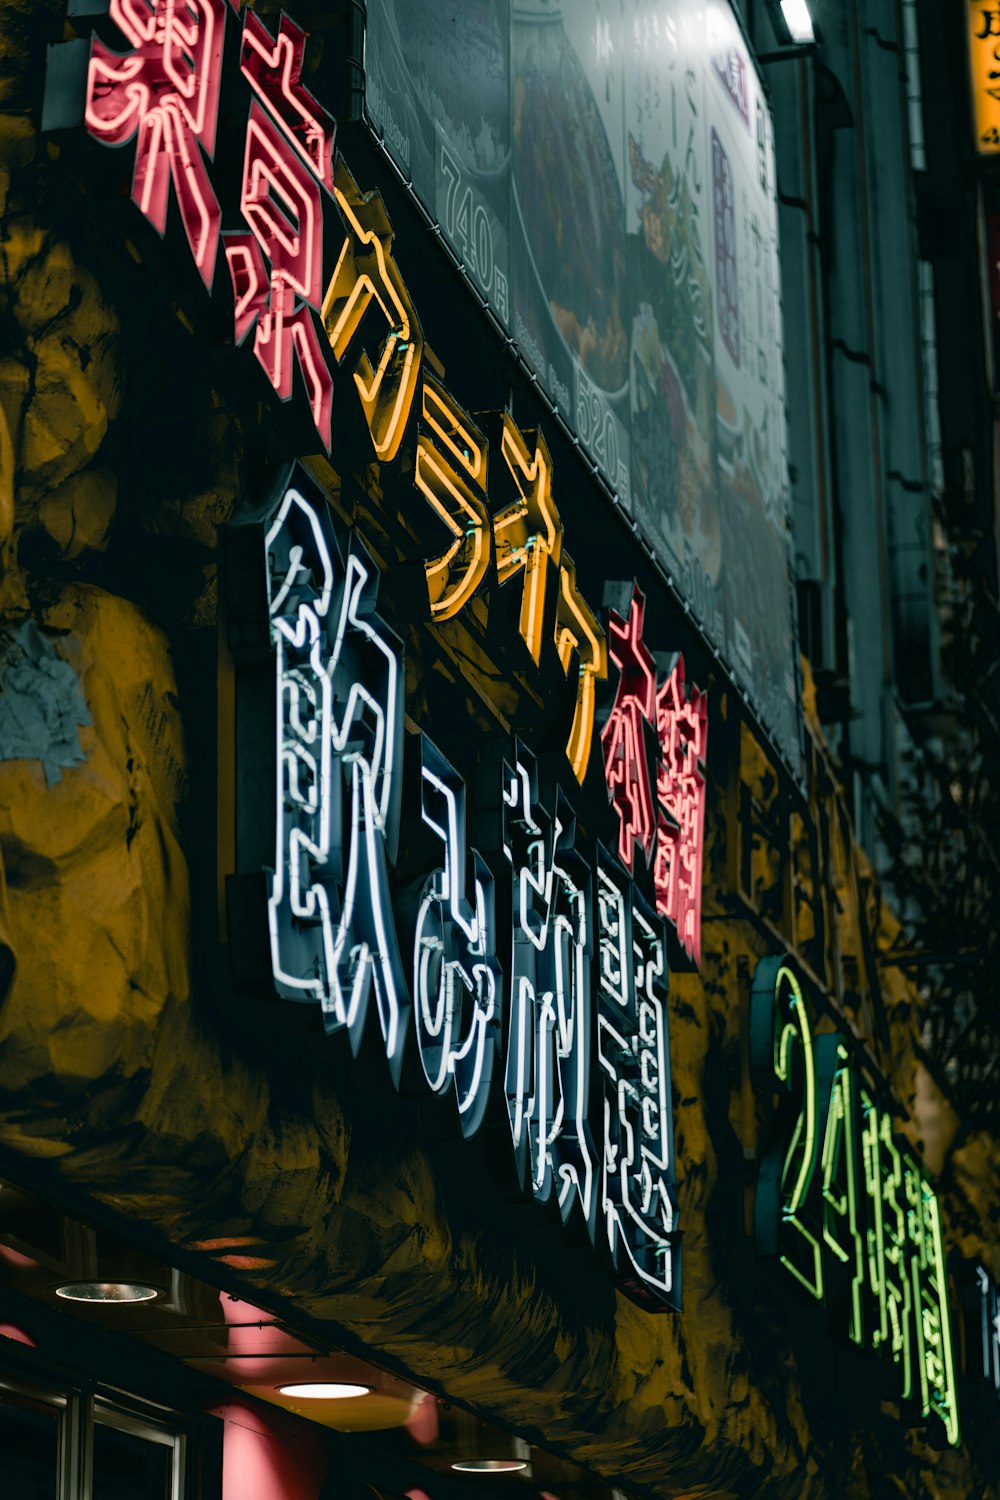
(623, 736)
(282, 203)
(682, 731)
(273, 68)
(671, 836)
(165, 92)
(301, 314)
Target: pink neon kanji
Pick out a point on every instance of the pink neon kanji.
(682, 732)
(281, 201)
(273, 68)
(623, 736)
(165, 92)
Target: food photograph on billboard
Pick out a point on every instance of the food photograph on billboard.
(639, 283)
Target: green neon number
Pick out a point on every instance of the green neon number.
(866, 1221)
(841, 1233)
(786, 1211)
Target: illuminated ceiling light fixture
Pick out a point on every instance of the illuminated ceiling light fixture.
(798, 20)
(324, 1390)
(490, 1465)
(107, 1291)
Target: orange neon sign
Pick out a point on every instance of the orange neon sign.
(294, 316)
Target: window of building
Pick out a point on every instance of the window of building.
(58, 1444)
(32, 1441)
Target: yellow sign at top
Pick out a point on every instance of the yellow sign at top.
(983, 24)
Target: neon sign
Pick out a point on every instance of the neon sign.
(165, 93)
(276, 269)
(843, 1204)
(584, 958)
(298, 314)
(682, 734)
(339, 701)
(339, 671)
(671, 834)
(640, 1201)
(623, 739)
(548, 1050)
(456, 976)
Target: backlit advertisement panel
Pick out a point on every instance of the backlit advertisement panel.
(604, 172)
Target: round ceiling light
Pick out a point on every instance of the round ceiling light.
(325, 1390)
(490, 1465)
(107, 1291)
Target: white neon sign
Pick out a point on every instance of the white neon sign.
(549, 1034)
(339, 709)
(333, 931)
(640, 1202)
(456, 977)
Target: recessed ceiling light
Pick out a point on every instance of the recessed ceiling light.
(325, 1390)
(490, 1465)
(107, 1291)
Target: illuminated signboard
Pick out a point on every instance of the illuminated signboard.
(982, 24)
(305, 309)
(163, 94)
(573, 994)
(338, 670)
(303, 314)
(843, 1203)
(603, 172)
(670, 834)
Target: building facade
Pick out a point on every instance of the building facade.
(454, 957)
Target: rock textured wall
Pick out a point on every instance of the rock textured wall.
(130, 1074)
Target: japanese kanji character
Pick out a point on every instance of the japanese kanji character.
(166, 93)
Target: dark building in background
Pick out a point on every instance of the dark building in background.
(497, 750)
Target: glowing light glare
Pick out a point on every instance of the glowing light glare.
(639, 1192)
(107, 1291)
(324, 1390)
(798, 20)
(366, 275)
(490, 1465)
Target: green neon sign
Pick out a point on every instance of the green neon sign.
(843, 1204)
(841, 1218)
